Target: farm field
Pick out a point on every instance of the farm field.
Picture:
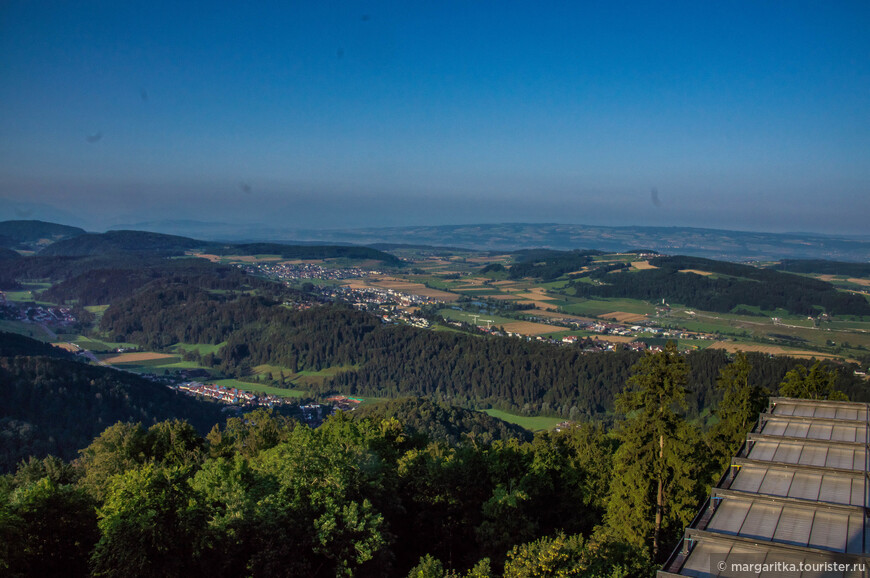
(732, 347)
(599, 307)
(201, 348)
(530, 423)
(31, 330)
(483, 319)
(94, 344)
(530, 328)
(259, 388)
(139, 357)
(401, 285)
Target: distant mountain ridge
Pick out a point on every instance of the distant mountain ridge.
(62, 241)
(710, 243)
(508, 237)
(698, 242)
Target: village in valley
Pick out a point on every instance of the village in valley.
(439, 290)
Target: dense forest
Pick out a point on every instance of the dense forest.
(27, 234)
(441, 422)
(547, 264)
(54, 404)
(7, 278)
(121, 242)
(108, 285)
(731, 285)
(823, 267)
(8, 254)
(379, 496)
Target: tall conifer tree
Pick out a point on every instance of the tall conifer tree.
(654, 490)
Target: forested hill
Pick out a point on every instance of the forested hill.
(106, 283)
(12, 345)
(72, 242)
(547, 264)
(438, 421)
(121, 242)
(56, 405)
(8, 254)
(25, 234)
(722, 287)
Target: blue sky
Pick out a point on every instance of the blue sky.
(752, 116)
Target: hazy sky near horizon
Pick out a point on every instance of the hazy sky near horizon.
(741, 115)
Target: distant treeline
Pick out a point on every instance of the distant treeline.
(121, 242)
(823, 267)
(304, 251)
(158, 244)
(735, 285)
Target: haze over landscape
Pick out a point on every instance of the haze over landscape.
(335, 114)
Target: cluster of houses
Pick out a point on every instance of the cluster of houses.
(48, 314)
(376, 297)
(405, 317)
(230, 395)
(343, 403)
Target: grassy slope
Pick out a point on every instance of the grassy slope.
(530, 423)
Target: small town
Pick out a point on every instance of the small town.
(231, 395)
(49, 314)
(301, 271)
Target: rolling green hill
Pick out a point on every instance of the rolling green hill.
(56, 405)
(121, 242)
(23, 233)
(727, 286)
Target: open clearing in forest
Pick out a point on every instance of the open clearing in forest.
(642, 265)
(531, 423)
(136, 357)
(71, 347)
(259, 388)
(697, 272)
